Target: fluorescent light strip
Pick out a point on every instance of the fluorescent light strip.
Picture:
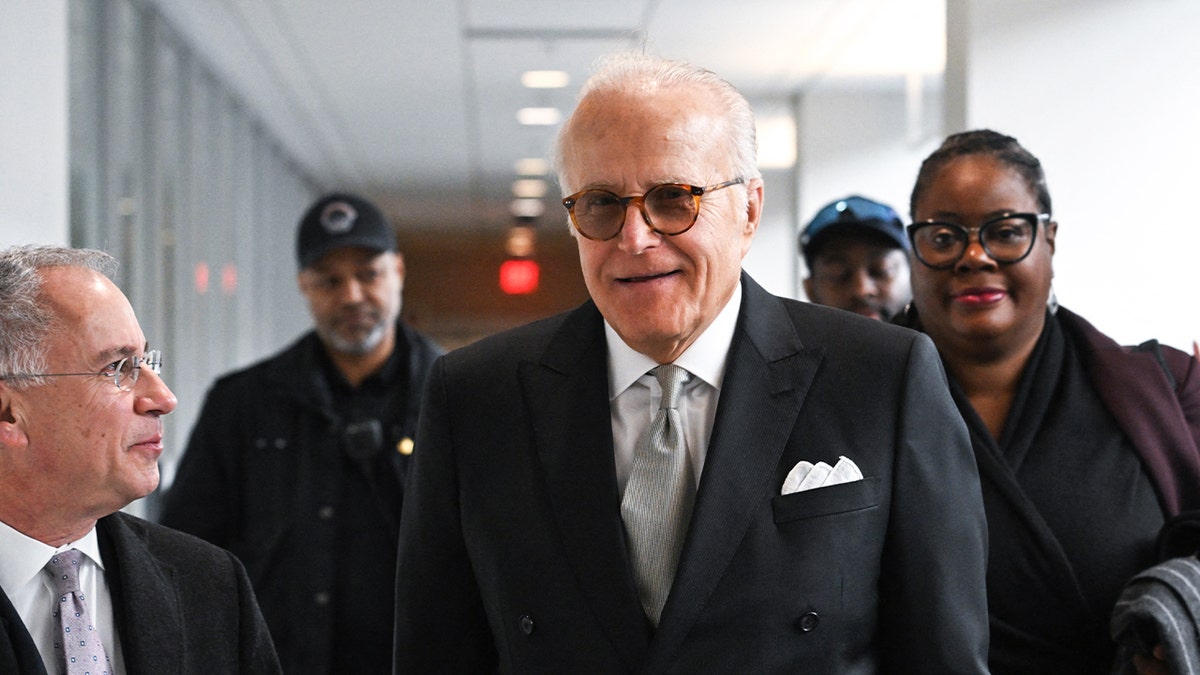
(532, 166)
(530, 188)
(545, 79)
(539, 117)
(527, 208)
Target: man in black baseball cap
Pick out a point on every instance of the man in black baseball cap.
(857, 259)
(342, 220)
(296, 464)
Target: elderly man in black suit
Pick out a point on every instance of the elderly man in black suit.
(686, 473)
(81, 404)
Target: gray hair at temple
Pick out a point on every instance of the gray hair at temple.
(629, 71)
(26, 319)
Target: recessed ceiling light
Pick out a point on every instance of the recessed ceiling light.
(532, 166)
(545, 79)
(776, 142)
(539, 116)
(527, 208)
(520, 241)
(531, 188)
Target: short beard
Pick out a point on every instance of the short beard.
(356, 347)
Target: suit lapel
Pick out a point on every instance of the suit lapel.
(767, 376)
(566, 393)
(18, 655)
(145, 604)
(1029, 537)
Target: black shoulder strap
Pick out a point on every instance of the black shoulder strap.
(1155, 348)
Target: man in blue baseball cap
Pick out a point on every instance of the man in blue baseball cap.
(856, 253)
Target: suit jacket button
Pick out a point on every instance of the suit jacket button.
(808, 622)
(527, 624)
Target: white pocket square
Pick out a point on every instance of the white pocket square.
(806, 475)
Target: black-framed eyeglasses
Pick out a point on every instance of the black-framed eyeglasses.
(669, 208)
(123, 373)
(1006, 239)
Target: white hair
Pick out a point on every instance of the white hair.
(628, 71)
(26, 319)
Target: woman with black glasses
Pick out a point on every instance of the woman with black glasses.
(1084, 448)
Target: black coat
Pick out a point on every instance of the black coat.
(512, 550)
(1038, 603)
(180, 606)
(263, 476)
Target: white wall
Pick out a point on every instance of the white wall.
(33, 123)
(868, 142)
(174, 175)
(1105, 93)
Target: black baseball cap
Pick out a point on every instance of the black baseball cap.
(340, 220)
(854, 213)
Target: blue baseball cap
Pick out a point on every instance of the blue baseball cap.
(854, 213)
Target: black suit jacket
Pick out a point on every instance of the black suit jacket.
(512, 552)
(180, 605)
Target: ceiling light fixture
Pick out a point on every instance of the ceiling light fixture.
(529, 188)
(527, 208)
(520, 241)
(532, 166)
(545, 79)
(543, 117)
(776, 142)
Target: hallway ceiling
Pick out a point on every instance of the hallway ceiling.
(415, 104)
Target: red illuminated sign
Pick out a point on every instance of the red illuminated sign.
(519, 277)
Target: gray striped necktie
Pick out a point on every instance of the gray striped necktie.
(657, 505)
(78, 646)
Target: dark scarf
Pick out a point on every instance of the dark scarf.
(1072, 515)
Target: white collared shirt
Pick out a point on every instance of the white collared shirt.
(28, 587)
(634, 394)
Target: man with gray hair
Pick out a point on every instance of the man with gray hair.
(297, 463)
(81, 406)
(680, 474)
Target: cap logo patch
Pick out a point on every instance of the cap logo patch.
(338, 217)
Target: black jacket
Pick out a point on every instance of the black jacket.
(1037, 602)
(180, 605)
(512, 547)
(264, 474)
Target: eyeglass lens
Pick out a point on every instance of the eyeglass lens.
(670, 209)
(126, 374)
(1005, 240)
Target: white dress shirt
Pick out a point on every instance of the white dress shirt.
(634, 395)
(28, 587)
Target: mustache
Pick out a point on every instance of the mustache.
(357, 314)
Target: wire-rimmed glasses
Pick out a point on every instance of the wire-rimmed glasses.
(1006, 239)
(123, 373)
(669, 208)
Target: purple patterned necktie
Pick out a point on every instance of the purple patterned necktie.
(78, 644)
